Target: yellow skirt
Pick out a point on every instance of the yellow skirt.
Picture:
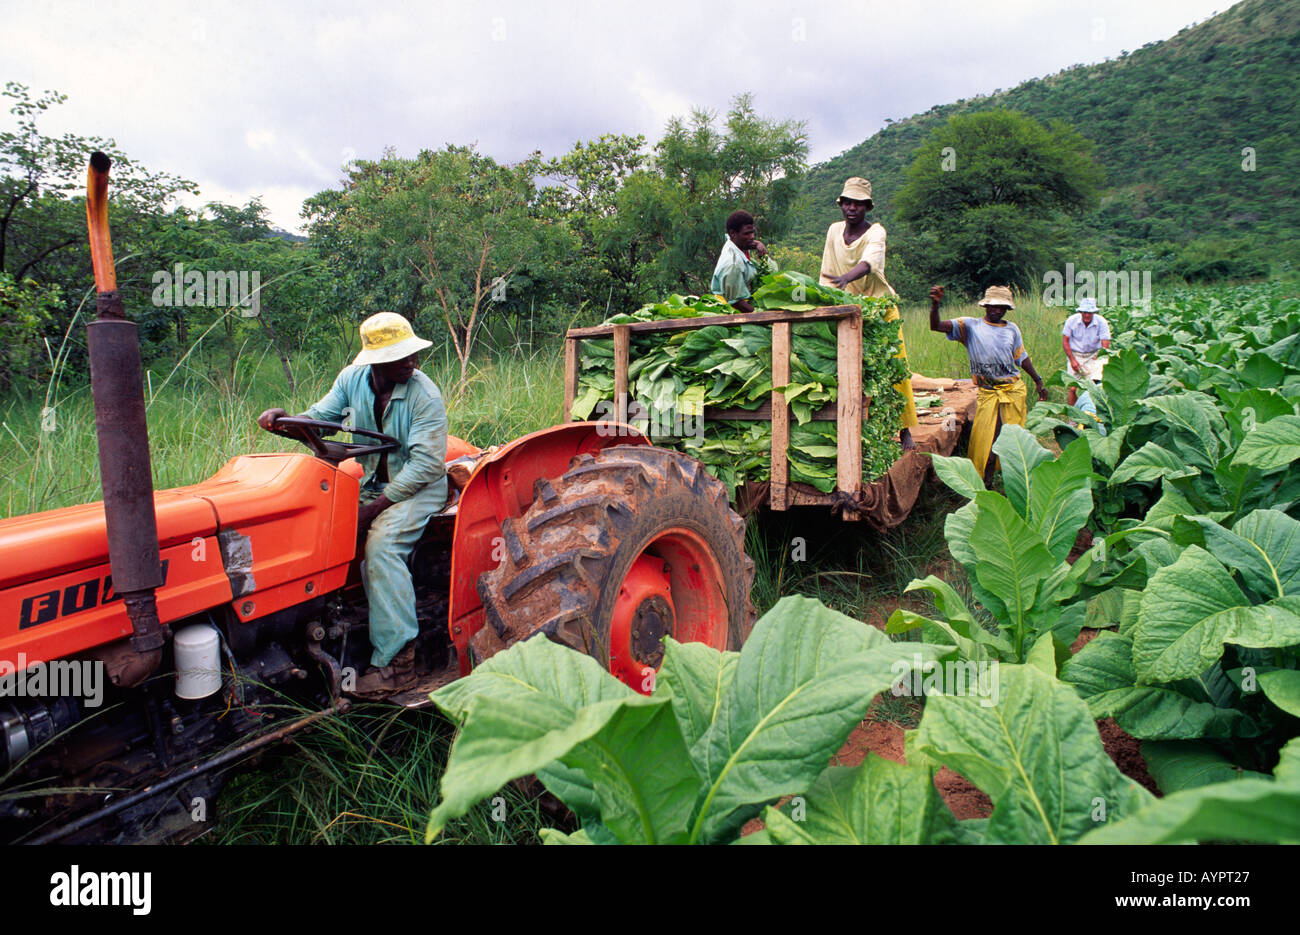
(905, 387)
(1009, 400)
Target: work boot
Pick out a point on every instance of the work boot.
(382, 681)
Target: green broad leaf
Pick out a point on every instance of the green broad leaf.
(1156, 553)
(554, 836)
(1273, 444)
(530, 670)
(1125, 381)
(1012, 560)
(572, 787)
(1261, 370)
(878, 802)
(695, 677)
(1102, 672)
(1239, 485)
(538, 702)
(1282, 687)
(1060, 498)
(806, 676)
(1250, 407)
(691, 400)
(1171, 504)
(959, 531)
(1191, 608)
(642, 774)
(1264, 546)
(1263, 811)
(1176, 765)
(1105, 609)
(1196, 420)
(1019, 453)
(1043, 655)
(938, 632)
(585, 403)
(506, 737)
(959, 474)
(1151, 462)
(949, 603)
(1035, 752)
(1108, 448)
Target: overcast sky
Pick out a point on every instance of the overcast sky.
(271, 99)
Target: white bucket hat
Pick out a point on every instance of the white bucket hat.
(387, 337)
(1087, 305)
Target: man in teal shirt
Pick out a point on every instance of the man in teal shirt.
(735, 271)
(383, 390)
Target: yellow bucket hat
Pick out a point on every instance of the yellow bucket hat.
(859, 189)
(387, 337)
(997, 295)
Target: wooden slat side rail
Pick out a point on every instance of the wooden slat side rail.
(830, 312)
(780, 465)
(848, 424)
(621, 345)
(570, 377)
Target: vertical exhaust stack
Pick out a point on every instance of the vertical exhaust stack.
(118, 389)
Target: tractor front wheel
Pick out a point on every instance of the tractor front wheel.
(631, 545)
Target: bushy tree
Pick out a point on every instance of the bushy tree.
(987, 194)
(670, 217)
(580, 190)
(441, 238)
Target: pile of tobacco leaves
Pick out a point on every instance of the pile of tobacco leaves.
(673, 375)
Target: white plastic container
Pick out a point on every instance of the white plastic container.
(198, 661)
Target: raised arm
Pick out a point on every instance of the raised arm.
(936, 296)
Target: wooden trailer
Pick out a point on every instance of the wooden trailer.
(938, 432)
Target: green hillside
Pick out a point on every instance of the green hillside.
(1170, 121)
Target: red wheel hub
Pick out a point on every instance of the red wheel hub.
(673, 588)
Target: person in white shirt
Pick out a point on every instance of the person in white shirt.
(1083, 335)
(853, 259)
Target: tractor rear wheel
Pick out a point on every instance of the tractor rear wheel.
(631, 545)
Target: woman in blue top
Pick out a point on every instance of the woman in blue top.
(997, 353)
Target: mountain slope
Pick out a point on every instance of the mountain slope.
(1170, 120)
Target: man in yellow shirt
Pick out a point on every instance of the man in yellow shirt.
(854, 260)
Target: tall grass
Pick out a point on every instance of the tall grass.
(368, 777)
(199, 419)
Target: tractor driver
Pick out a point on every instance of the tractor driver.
(383, 390)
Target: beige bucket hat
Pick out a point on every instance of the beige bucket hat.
(997, 295)
(857, 188)
(387, 337)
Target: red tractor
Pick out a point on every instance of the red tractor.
(150, 641)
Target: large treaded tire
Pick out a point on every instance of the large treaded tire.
(568, 555)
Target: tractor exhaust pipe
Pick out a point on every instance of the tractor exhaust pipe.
(123, 437)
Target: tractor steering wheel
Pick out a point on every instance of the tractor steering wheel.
(308, 431)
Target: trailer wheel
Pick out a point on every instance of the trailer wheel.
(632, 544)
